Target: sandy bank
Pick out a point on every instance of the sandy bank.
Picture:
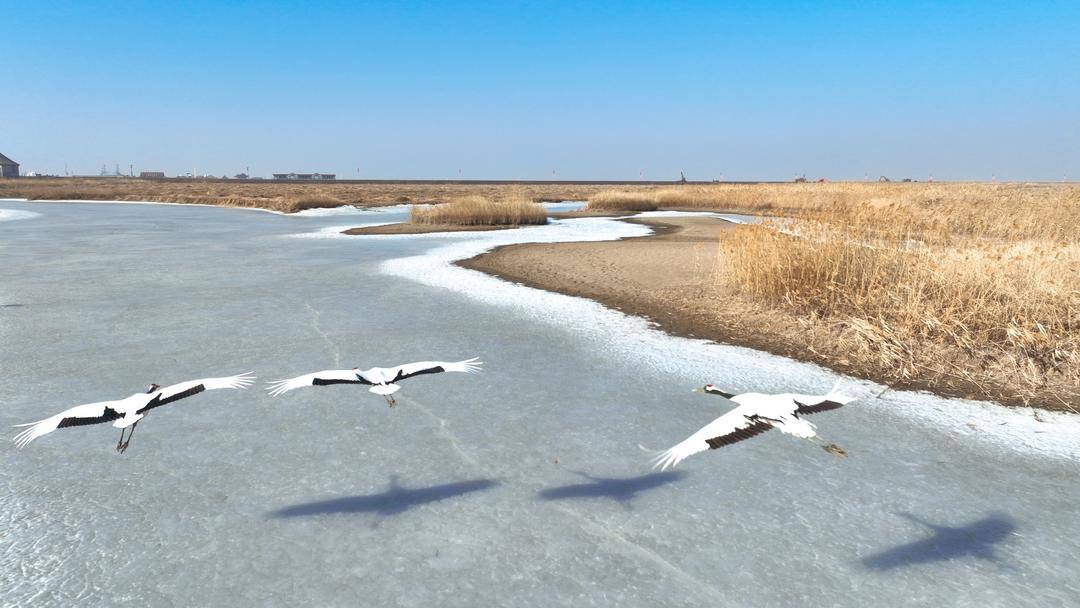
(666, 277)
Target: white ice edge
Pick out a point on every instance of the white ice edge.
(742, 369)
(333, 232)
(348, 210)
(338, 232)
(648, 214)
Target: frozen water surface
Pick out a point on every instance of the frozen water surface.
(521, 486)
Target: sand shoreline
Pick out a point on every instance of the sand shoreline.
(668, 278)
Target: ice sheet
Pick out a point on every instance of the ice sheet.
(520, 486)
(107, 202)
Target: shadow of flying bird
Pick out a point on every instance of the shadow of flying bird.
(391, 502)
(975, 539)
(620, 489)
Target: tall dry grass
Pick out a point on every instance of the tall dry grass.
(481, 211)
(961, 207)
(982, 285)
(621, 200)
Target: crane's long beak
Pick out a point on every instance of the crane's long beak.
(698, 390)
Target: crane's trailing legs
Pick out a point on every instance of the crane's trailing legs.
(831, 448)
(123, 445)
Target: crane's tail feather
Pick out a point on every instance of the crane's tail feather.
(468, 366)
(837, 395)
(34, 430)
(666, 460)
(239, 381)
(384, 389)
(663, 459)
(278, 387)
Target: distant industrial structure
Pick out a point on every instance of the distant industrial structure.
(152, 174)
(8, 167)
(306, 176)
(114, 173)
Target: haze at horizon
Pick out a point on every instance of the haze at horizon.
(742, 91)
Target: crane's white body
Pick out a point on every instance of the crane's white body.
(128, 408)
(755, 414)
(382, 380)
(781, 409)
(124, 413)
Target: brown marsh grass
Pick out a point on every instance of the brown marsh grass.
(286, 197)
(963, 206)
(481, 211)
(619, 200)
(977, 283)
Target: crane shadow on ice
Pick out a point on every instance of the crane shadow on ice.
(391, 502)
(975, 539)
(621, 489)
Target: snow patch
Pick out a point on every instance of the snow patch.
(10, 215)
(349, 210)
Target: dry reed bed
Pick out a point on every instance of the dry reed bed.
(981, 287)
(619, 200)
(278, 196)
(960, 204)
(481, 211)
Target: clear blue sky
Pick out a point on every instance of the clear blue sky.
(746, 90)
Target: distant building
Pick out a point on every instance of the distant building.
(152, 174)
(8, 167)
(305, 176)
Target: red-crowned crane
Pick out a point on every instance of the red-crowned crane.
(755, 414)
(126, 413)
(382, 380)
